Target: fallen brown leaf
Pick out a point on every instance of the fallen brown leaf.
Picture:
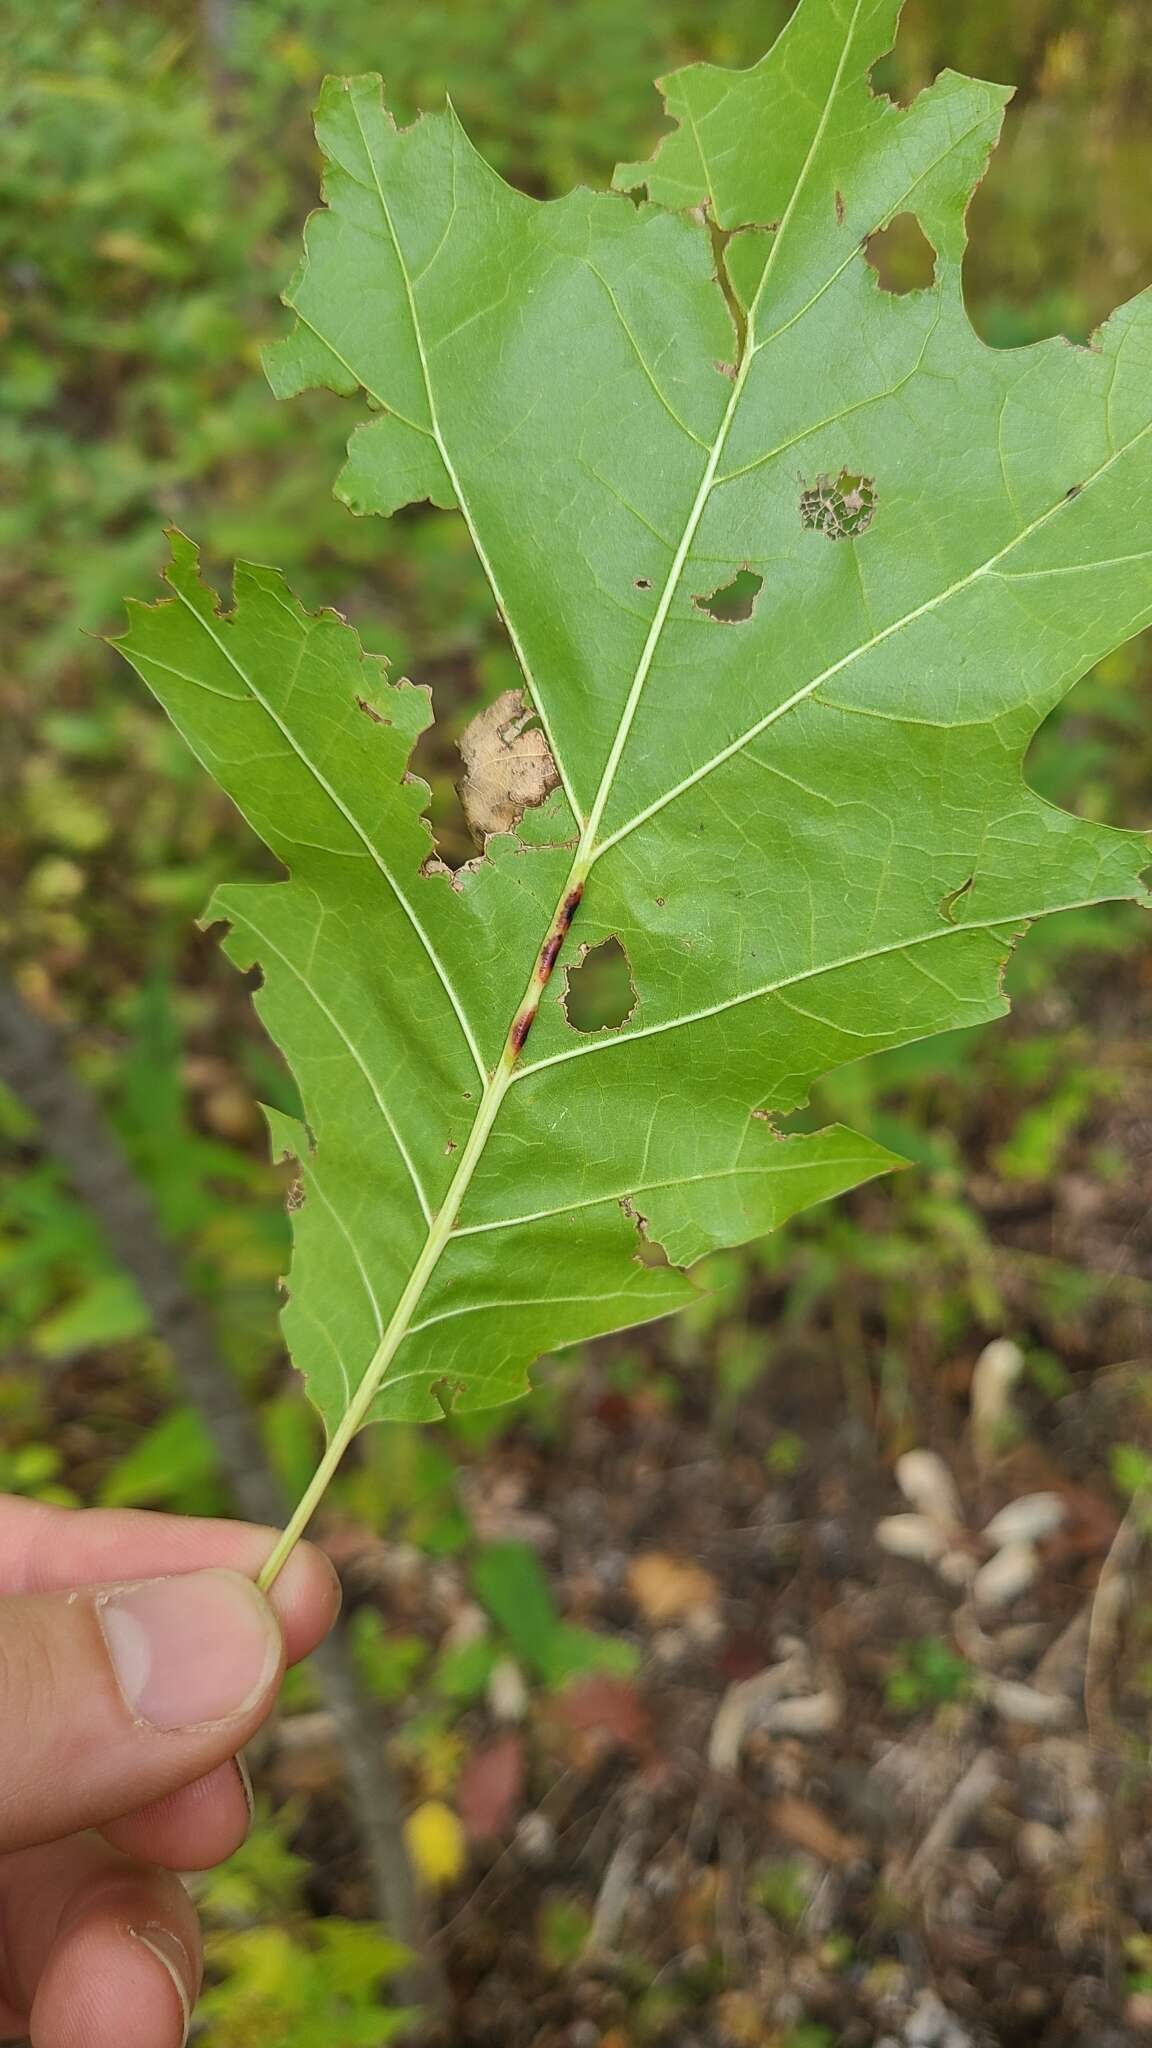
(666, 1589)
(803, 1825)
(490, 1790)
(609, 1707)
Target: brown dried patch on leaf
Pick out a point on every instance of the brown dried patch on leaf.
(508, 766)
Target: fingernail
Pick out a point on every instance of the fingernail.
(246, 1786)
(187, 1651)
(173, 1956)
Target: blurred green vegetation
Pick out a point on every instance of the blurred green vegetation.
(155, 164)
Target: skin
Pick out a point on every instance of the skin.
(99, 1944)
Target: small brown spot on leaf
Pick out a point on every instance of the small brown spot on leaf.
(508, 766)
(295, 1197)
(570, 906)
(840, 209)
(456, 877)
(371, 712)
(643, 583)
(449, 1148)
(726, 370)
(519, 1032)
(839, 507)
(734, 602)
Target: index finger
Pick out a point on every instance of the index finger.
(45, 1549)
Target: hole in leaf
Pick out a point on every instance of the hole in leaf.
(446, 1392)
(902, 256)
(732, 603)
(839, 507)
(649, 1252)
(600, 994)
(435, 760)
(643, 583)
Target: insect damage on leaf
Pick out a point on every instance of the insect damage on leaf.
(733, 602)
(902, 256)
(551, 949)
(953, 898)
(508, 766)
(599, 993)
(808, 834)
(839, 507)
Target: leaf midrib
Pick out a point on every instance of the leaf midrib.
(496, 1087)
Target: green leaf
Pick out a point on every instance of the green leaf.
(463, 1673)
(174, 1465)
(508, 1579)
(291, 1991)
(107, 1311)
(800, 808)
(510, 1582)
(387, 1663)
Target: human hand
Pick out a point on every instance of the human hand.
(136, 1656)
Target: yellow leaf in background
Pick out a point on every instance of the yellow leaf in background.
(436, 1844)
(134, 252)
(299, 58)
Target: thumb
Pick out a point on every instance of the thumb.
(111, 1698)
